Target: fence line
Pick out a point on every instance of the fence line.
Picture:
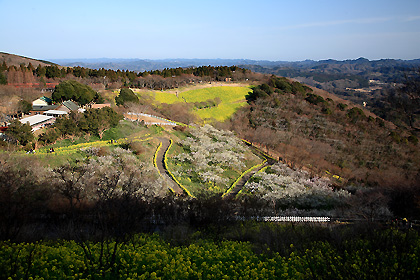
(298, 219)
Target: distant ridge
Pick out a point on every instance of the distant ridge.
(150, 65)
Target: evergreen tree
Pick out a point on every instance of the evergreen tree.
(3, 79)
(40, 71)
(126, 95)
(76, 91)
(20, 132)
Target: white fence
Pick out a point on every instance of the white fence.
(295, 219)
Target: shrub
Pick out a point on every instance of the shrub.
(356, 114)
(315, 99)
(413, 139)
(342, 106)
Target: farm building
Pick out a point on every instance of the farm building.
(38, 121)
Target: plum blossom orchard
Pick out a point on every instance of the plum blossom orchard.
(107, 177)
(208, 153)
(286, 188)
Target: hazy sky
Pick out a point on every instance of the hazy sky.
(262, 30)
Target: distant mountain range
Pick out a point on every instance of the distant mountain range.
(149, 65)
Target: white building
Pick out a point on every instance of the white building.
(38, 121)
(55, 113)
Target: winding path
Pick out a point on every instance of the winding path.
(241, 183)
(160, 164)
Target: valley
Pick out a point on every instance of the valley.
(228, 157)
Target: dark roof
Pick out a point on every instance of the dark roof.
(43, 108)
(71, 105)
(46, 99)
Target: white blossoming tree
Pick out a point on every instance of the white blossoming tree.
(286, 188)
(208, 153)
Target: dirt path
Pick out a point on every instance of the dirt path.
(161, 166)
(148, 119)
(241, 183)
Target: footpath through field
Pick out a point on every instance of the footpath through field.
(160, 164)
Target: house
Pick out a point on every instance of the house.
(68, 106)
(38, 121)
(42, 101)
(40, 109)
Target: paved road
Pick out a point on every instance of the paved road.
(161, 166)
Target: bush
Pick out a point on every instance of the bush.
(356, 114)
(315, 99)
(342, 106)
(413, 139)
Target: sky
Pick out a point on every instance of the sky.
(236, 29)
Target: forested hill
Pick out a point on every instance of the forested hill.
(17, 60)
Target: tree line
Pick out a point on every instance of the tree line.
(30, 73)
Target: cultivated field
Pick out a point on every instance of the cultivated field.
(231, 98)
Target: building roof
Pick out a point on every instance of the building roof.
(33, 120)
(46, 99)
(99, 106)
(43, 107)
(71, 105)
(55, 112)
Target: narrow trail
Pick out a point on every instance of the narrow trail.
(241, 183)
(160, 157)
